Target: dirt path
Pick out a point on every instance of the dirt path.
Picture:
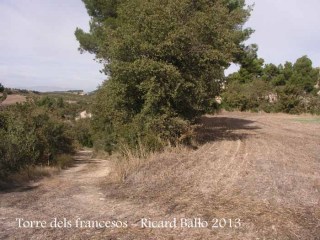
(261, 168)
(75, 193)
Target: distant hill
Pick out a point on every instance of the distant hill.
(45, 88)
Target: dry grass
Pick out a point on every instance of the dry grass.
(34, 173)
(100, 154)
(129, 161)
(64, 161)
(28, 174)
(261, 168)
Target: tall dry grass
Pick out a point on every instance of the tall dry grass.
(25, 175)
(129, 161)
(33, 173)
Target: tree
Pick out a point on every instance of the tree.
(291, 86)
(1, 88)
(270, 71)
(304, 75)
(251, 67)
(165, 61)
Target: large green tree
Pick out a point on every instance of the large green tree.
(165, 60)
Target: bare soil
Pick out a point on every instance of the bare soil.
(263, 169)
(13, 99)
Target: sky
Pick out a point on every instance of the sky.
(38, 49)
(286, 29)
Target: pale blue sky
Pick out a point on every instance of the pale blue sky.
(38, 47)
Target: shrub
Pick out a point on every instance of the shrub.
(30, 136)
(82, 132)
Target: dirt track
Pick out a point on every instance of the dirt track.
(261, 168)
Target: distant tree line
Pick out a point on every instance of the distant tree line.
(289, 88)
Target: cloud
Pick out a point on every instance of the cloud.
(38, 46)
(286, 30)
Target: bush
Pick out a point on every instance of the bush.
(4, 96)
(289, 100)
(82, 132)
(30, 136)
(245, 97)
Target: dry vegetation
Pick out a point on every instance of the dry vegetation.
(261, 168)
(27, 175)
(35, 173)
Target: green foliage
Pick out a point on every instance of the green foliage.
(31, 135)
(165, 60)
(47, 102)
(245, 97)
(290, 100)
(291, 85)
(83, 132)
(251, 67)
(1, 88)
(304, 76)
(271, 72)
(58, 105)
(4, 96)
